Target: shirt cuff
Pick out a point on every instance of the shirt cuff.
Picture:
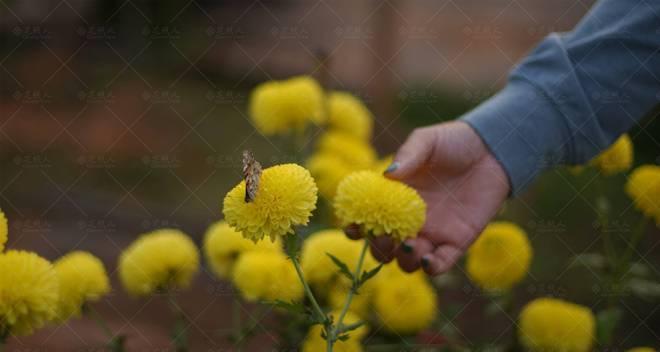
(523, 129)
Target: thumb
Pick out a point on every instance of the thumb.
(413, 154)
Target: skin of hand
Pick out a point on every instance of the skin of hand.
(463, 185)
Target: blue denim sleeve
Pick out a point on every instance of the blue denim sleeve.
(576, 92)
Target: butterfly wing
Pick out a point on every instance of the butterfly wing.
(252, 174)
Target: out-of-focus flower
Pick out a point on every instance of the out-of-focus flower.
(160, 260)
(223, 246)
(642, 349)
(548, 325)
(617, 158)
(348, 114)
(380, 205)
(357, 153)
(404, 303)
(4, 230)
(328, 170)
(500, 256)
(82, 279)
(28, 292)
(278, 107)
(314, 342)
(360, 304)
(317, 265)
(643, 187)
(286, 197)
(268, 275)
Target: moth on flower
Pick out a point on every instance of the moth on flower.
(252, 175)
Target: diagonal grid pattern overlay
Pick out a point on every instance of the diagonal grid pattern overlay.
(118, 120)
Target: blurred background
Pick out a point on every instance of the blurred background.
(122, 116)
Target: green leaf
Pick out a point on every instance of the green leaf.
(343, 268)
(592, 261)
(644, 288)
(367, 275)
(343, 337)
(296, 308)
(606, 322)
(351, 327)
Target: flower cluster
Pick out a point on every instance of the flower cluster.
(507, 245)
(380, 205)
(286, 197)
(337, 155)
(346, 113)
(158, 261)
(548, 324)
(277, 107)
(34, 292)
(223, 246)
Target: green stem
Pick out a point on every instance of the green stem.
(236, 317)
(624, 263)
(308, 291)
(115, 343)
(338, 328)
(101, 323)
(179, 333)
(249, 330)
(353, 290)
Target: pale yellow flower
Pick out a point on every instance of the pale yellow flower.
(554, 325)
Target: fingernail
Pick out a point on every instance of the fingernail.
(406, 247)
(426, 261)
(393, 166)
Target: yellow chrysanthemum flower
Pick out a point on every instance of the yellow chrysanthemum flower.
(28, 292)
(404, 303)
(643, 187)
(380, 205)
(617, 158)
(223, 246)
(317, 265)
(507, 245)
(268, 276)
(355, 152)
(82, 279)
(4, 230)
(328, 171)
(314, 342)
(642, 349)
(286, 197)
(281, 106)
(549, 324)
(158, 260)
(347, 113)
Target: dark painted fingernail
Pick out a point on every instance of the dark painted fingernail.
(406, 247)
(426, 262)
(393, 166)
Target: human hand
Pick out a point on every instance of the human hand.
(463, 186)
